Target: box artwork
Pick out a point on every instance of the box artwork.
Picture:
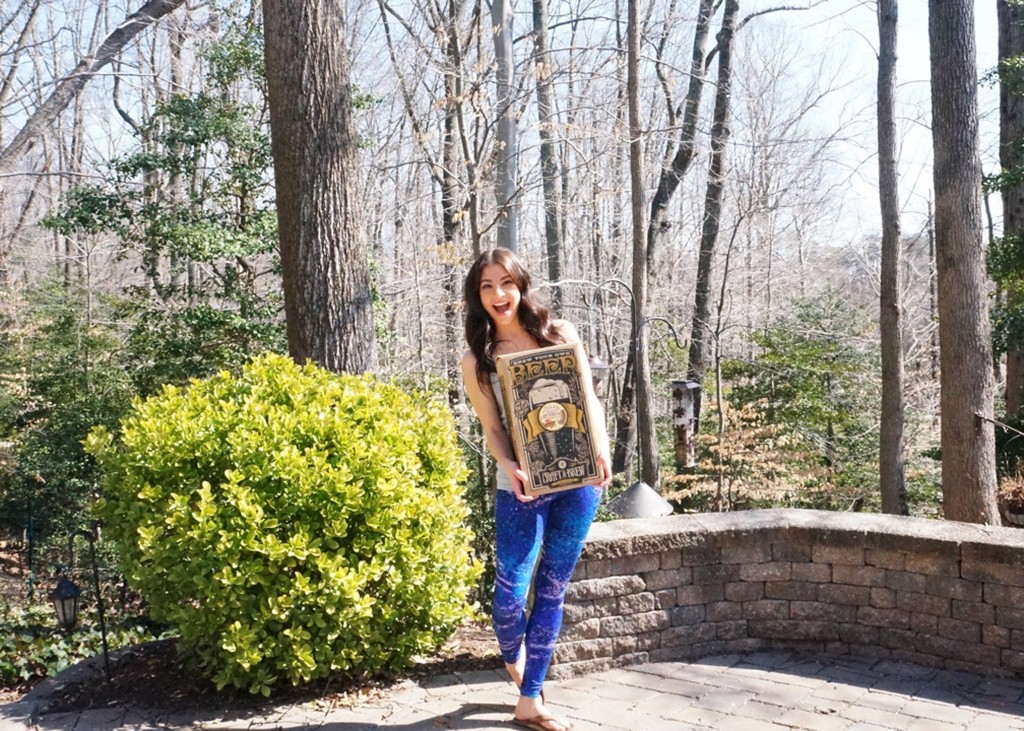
(548, 417)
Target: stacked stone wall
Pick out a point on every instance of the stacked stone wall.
(931, 592)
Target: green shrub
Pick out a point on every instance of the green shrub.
(292, 523)
(60, 378)
(815, 382)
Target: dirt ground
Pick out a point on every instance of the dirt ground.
(153, 677)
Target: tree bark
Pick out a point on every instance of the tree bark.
(625, 424)
(625, 421)
(69, 87)
(891, 439)
(324, 257)
(720, 132)
(968, 445)
(506, 151)
(1011, 132)
(646, 437)
(452, 205)
(549, 163)
(675, 170)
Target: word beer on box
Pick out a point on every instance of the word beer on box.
(548, 417)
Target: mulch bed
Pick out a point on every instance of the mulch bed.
(152, 676)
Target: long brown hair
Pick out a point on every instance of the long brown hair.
(533, 314)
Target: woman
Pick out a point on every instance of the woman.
(502, 317)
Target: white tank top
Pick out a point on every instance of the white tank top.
(501, 479)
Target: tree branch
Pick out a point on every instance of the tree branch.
(69, 87)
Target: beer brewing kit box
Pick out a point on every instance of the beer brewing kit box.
(548, 417)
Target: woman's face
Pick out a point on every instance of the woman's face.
(499, 294)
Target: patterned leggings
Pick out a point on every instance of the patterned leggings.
(554, 528)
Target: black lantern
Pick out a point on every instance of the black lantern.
(65, 603)
(599, 375)
(65, 595)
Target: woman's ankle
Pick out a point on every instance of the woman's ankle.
(516, 669)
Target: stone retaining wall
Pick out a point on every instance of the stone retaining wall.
(931, 592)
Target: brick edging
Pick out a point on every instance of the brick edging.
(937, 593)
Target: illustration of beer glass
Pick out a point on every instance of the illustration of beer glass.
(545, 395)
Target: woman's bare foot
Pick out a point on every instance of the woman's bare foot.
(532, 713)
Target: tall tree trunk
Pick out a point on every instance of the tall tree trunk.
(1011, 158)
(720, 131)
(646, 437)
(452, 207)
(549, 164)
(933, 301)
(890, 440)
(506, 151)
(722, 501)
(675, 170)
(625, 417)
(968, 444)
(324, 258)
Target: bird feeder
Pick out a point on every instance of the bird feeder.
(685, 407)
(599, 375)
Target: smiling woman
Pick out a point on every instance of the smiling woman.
(546, 531)
(499, 293)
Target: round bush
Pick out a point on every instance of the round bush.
(291, 522)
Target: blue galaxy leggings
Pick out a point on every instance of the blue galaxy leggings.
(553, 526)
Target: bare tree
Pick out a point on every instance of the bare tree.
(456, 154)
(891, 439)
(646, 436)
(72, 83)
(720, 131)
(968, 443)
(1011, 160)
(507, 147)
(324, 257)
(625, 416)
(549, 164)
(677, 160)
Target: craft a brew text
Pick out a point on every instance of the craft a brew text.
(570, 473)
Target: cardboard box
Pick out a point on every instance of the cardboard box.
(548, 418)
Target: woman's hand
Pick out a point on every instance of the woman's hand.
(605, 463)
(517, 478)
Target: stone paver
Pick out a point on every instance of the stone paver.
(767, 691)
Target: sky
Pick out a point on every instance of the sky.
(846, 30)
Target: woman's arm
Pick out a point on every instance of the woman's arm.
(594, 407)
(498, 442)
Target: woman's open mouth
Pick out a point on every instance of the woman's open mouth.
(502, 308)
